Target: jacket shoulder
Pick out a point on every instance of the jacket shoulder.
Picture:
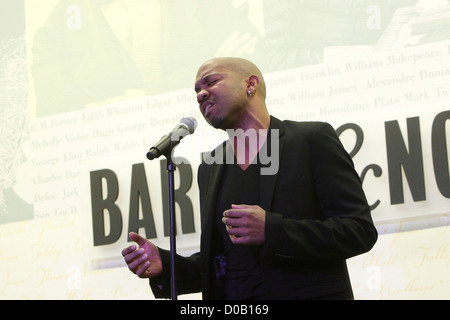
(307, 128)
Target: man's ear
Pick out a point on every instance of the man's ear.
(252, 83)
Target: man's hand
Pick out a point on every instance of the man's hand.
(145, 260)
(245, 224)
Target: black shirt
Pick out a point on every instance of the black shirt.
(243, 273)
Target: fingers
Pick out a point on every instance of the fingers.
(128, 250)
(238, 215)
(131, 255)
(137, 238)
(237, 211)
(136, 258)
(234, 222)
(132, 252)
(142, 259)
(245, 224)
(141, 269)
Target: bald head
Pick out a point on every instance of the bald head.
(244, 68)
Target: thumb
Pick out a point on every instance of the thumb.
(137, 238)
(240, 206)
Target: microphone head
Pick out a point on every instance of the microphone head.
(191, 124)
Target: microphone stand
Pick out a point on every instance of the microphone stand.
(166, 146)
(170, 170)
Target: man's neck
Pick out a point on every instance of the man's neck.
(248, 140)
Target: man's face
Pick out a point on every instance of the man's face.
(221, 94)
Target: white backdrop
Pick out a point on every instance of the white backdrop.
(88, 86)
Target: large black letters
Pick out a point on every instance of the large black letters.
(440, 153)
(184, 202)
(410, 159)
(100, 205)
(140, 194)
(105, 211)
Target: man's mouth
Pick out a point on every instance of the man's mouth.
(207, 105)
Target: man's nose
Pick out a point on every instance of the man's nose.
(202, 95)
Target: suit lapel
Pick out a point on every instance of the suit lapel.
(213, 187)
(268, 181)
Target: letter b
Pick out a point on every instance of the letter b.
(100, 205)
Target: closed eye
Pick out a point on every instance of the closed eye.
(209, 81)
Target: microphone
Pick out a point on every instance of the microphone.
(170, 140)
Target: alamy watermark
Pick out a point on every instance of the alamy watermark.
(258, 143)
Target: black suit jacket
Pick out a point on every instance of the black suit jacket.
(317, 216)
